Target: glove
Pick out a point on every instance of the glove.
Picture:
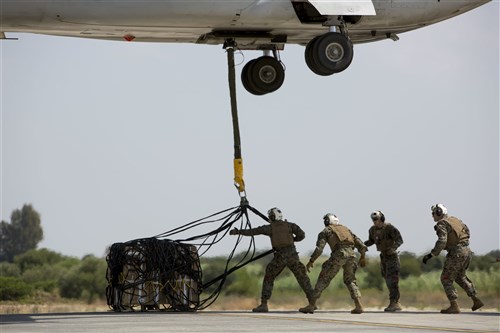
(426, 258)
(309, 265)
(362, 261)
(235, 231)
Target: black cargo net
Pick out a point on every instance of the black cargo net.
(164, 272)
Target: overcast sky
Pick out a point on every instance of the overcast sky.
(112, 141)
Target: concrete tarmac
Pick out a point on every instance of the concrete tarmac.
(246, 321)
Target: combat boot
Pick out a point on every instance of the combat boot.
(453, 308)
(262, 307)
(393, 307)
(308, 309)
(359, 308)
(477, 303)
(313, 301)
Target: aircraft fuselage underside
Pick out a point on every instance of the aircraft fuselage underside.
(328, 29)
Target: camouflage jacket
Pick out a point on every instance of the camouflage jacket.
(387, 238)
(296, 232)
(443, 229)
(325, 235)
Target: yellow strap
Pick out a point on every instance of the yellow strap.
(238, 175)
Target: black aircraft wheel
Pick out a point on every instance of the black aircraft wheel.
(311, 61)
(266, 74)
(246, 79)
(333, 52)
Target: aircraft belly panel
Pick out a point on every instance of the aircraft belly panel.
(194, 13)
(251, 14)
(350, 7)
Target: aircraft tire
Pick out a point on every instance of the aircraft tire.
(266, 74)
(246, 79)
(333, 52)
(311, 61)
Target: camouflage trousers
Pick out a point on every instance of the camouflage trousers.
(287, 257)
(345, 259)
(455, 266)
(390, 267)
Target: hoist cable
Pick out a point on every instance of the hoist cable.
(195, 223)
(229, 45)
(262, 255)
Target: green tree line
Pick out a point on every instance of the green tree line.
(39, 273)
(45, 272)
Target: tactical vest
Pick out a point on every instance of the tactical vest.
(341, 236)
(382, 241)
(281, 234)
(457, 235)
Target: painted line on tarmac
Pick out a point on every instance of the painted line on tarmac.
(360, 323)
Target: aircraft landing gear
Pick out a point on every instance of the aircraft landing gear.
(263, 75)
(329, 53)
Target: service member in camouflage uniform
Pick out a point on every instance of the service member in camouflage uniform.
(453, 236)
(283, 235)
(342, 243)
(387, 238)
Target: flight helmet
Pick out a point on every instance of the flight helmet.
(275, 214)
(439, 210)
(377, 215)
(330, 219)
